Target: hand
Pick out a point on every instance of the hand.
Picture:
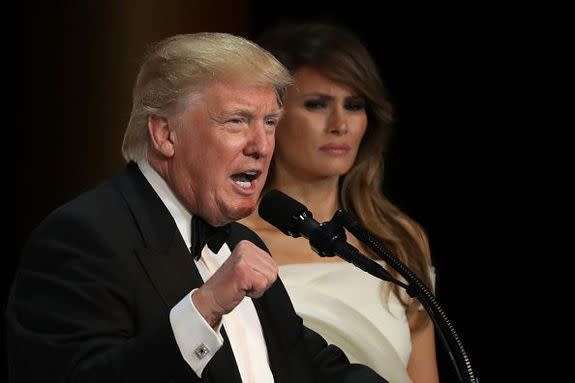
(249, 271)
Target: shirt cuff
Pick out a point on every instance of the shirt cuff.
(197, 341)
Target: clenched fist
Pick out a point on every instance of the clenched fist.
(248, 271)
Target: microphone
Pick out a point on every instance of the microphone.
(285, 213)
(294, 219)
(327, 239)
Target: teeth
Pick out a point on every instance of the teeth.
(244, 184)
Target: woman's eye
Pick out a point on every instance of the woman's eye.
(315, 104)
(355, 105)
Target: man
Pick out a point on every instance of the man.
(107, 289)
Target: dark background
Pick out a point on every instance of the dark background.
(456, 161)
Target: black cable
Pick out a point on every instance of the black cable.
(445, 329)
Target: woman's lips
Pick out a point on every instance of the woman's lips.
(335, 149)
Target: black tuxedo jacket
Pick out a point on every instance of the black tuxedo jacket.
(97, 279)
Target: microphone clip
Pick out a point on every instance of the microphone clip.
(323, 238)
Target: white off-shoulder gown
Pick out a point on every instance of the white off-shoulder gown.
(351, 309)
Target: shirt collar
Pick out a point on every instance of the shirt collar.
(181, 215)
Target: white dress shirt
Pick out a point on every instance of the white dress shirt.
(197, 341)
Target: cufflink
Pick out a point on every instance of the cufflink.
(201, 351)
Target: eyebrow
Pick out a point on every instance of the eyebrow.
(278, 113)
(247, 113)
(330, 97)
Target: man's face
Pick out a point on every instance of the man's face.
(223, 150)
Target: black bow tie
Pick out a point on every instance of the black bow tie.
(205, 234)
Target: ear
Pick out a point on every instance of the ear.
(161, 137)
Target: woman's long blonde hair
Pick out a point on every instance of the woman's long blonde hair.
(339, 55)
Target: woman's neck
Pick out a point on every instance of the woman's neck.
(321, 197)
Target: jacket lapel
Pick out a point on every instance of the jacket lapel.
(275, 313)
(223, 367)
(172, 272)
(167, 260)
(163, 253)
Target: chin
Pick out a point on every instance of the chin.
(240, 212)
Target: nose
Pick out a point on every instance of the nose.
(260, 141)
(338, 123)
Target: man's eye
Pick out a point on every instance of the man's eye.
(271, 123)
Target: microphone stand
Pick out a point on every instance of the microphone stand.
(332, 232)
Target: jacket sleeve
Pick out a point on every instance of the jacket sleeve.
(71, 315)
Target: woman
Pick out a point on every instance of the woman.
(329, 155)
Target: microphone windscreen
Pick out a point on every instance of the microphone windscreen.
(281, 210)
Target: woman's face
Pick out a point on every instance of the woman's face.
(321, 129)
